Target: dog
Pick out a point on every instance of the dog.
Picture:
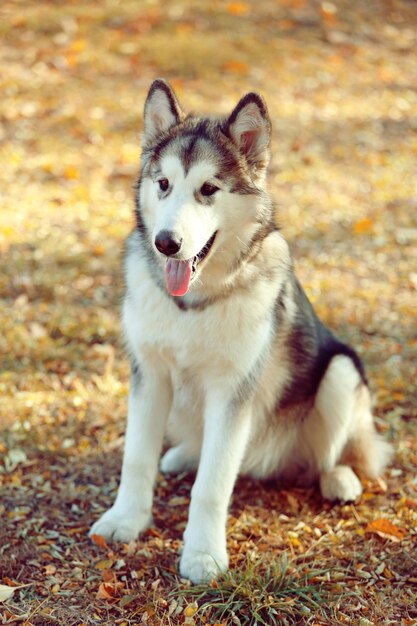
(228, 356)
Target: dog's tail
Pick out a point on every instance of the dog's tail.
(367, 451)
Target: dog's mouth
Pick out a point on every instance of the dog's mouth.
(179, 274)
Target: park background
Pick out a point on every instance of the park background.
(340, 81)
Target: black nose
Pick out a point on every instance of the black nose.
(168, 242)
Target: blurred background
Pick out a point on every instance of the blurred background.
(340, 81)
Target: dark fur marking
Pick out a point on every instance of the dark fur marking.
(255, 245)
(135, 373)
(200, 305)
(247, 386)
(280, 308)
(231, 161)
(187, 153)
(311, 346)
(161, 84)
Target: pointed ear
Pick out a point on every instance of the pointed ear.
(162, 110)
(250, 128)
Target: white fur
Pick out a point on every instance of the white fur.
(340, 483)
(131, 512)
(178, 212)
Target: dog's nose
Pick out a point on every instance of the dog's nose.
(168, 242)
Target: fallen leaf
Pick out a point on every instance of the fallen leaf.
(363, 227)
(104, 564)
(71, 172)
(191, 609)
(126, 600)
(178, 501)
(238, 8)
(236, 67)
(99, 540)
(386, 529)
(328, 12)
(110, 591)
(6, 592)
(14, 457)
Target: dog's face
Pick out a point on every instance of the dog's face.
(200, 183)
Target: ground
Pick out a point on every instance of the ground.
(340, 83)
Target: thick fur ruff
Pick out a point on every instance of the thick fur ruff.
(228, 356)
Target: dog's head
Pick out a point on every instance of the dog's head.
(199, 195)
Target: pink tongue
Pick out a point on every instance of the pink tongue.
(177, 276)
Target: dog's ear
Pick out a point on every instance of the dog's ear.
(162, 110)
(250, 128)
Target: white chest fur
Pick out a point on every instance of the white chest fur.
(226, 337)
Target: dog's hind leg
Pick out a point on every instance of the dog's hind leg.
(340, 433)
(178, 459)
(185, 431)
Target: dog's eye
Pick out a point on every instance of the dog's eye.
(163, 184)
(208, 189)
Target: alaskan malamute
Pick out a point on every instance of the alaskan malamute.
(227, 353)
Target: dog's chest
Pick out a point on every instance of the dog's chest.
(226, 335)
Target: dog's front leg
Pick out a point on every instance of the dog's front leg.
(226, 430)
(150, 399)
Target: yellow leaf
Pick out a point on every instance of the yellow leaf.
(295, 541)
(99, 250)
(104, 564)
(363, 226)
(238, 8)
(191, 609)
(71, 172)
(237, 67)
(78, 45)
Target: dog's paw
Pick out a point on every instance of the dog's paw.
(341, 483)
(115, 526)
(175, 461)
(200, 566)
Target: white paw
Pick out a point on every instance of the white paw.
(201, 566)
(175, 461)
(341, 483)
(117, 526)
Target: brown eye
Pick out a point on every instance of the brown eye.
(208, 189)
(163, 184)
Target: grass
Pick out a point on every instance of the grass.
(263, 591)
